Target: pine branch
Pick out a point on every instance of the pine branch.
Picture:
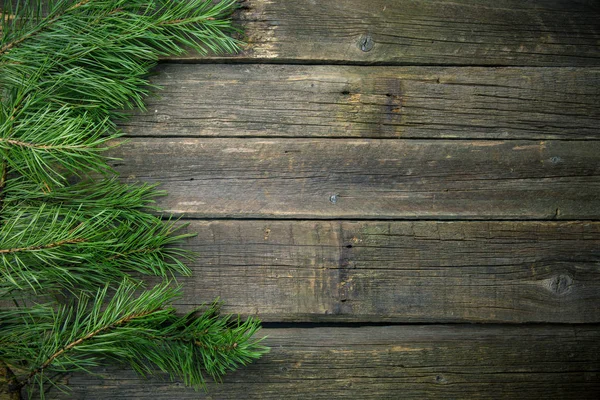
(3, 174)
(66, 77)
(91, 197)
(79, 341)
(143, 331)
(102, 66)
(32, 147)
(70, 246)
(42, 247)
(8, 46)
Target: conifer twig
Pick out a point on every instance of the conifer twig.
(3, 175)
(66, 78)
(79, 341)
(8, 46)
(43, 247)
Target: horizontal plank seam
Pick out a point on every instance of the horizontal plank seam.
(326, 138)
(363, 63)
(183, 217)
(477, 324)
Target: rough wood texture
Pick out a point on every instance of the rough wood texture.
(377, 102)
(332, 271)
(381, 179)
(451, 32)
(414, 362)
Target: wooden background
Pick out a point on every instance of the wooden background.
(406, 192)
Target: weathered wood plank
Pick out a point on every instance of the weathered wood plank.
(380, 179)
(378, 102)
(408, 362)
(451, 32)
(334, 271)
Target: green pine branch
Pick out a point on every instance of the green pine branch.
(85, 235)
(71, 247)
(69, 71)
(142, 331)
(64, 76)
(91, 196)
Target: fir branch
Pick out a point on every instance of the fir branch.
(91, 197)
(49, 21)
(142, 330)
(69, 246)
(100, 67)
(66, 76)
(43, 247)
(79, 341)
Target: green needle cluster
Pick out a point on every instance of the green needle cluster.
(75, 241)
(137, 329)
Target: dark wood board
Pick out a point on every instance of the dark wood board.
(363, 178)
(409, 32)
(393, 362)
(321, 190)
(378, 102)
(336, 271)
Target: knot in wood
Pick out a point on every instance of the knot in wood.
(556, 160)
(561, 284)
(366, 43)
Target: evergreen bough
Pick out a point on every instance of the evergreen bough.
(74, 241)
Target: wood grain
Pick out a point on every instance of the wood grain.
(415, 362)
(449, 32)
(335, 271)
(378, 102)
(378, 179)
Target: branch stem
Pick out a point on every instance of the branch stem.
(3, 174)
(77, 342)
(40, 146)
(42, 247)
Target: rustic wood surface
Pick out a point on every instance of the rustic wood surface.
(318, 193)
(405, 32)
(332, 271)
(377, 102)
(393, 362)
(362, 178)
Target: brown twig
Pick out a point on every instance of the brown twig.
(182, 20)
(42, 247)
(38, 146)
(3, 175)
